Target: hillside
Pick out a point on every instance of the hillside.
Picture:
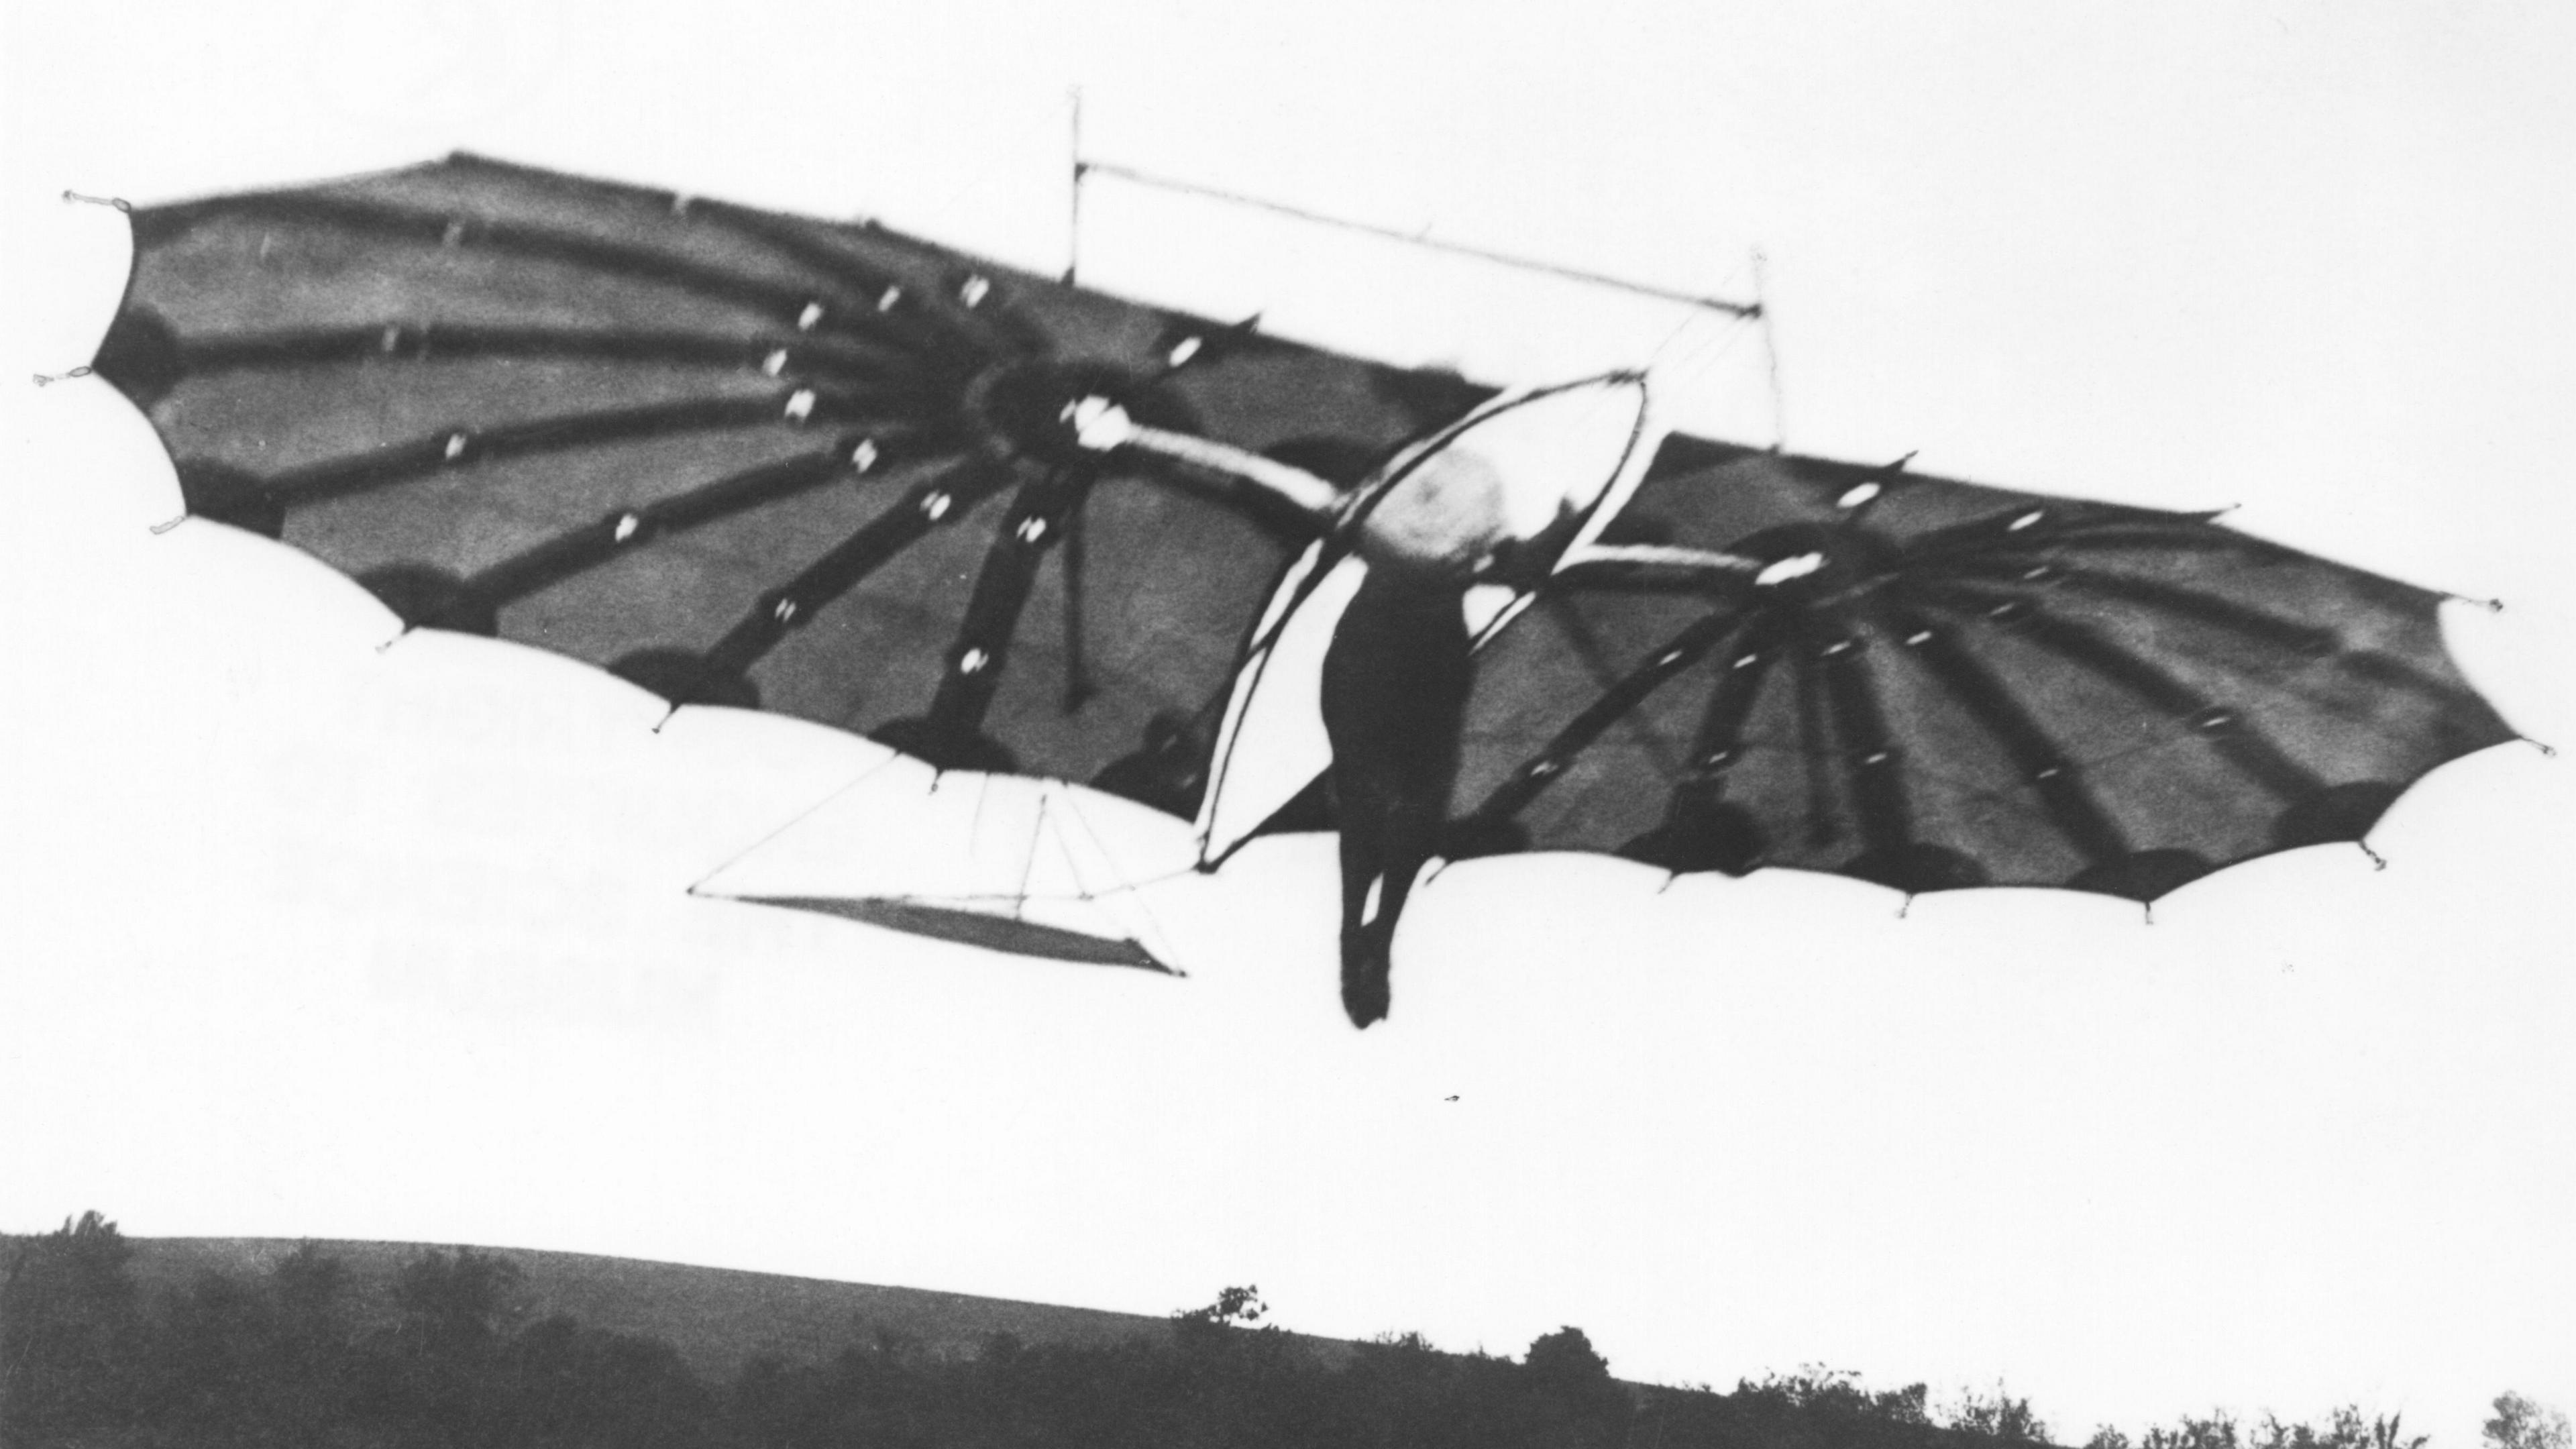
(154, 1342)
(716, 1317)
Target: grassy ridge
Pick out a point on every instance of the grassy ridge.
(213, 1343)
(717, 1318)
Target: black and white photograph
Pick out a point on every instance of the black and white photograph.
(1289, 724)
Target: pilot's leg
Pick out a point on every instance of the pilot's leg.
(1362, 808)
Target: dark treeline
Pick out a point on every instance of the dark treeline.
(294, 1357)
(297, 1356)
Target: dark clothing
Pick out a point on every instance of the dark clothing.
(1394, 695)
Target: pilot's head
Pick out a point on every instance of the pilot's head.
(1443, 518)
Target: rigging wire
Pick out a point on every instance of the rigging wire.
(1133, 890)
(1029, 863)
(1770, 350)
(983, 176)
(1085, 168)
(800, 818)
(1699, 360)
(1732, 326)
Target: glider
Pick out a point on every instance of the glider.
(1066, 543)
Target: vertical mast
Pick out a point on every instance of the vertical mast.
(1770, 351)
(1073, 197)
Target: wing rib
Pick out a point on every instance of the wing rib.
(438, 229)
(1872, 778)
(1651, 565)
(556, 559)
(2291, 635)
(2033, 532)
(420, 457)
(832, 358)
(1623, 695)
(936, 503)
(1721, 728)
(2050, 772)
(1034, 525)
(2227, 730)
(881, 300)
(1078, 686)
(1303, 490)
(1815, 747)
(1700, 830)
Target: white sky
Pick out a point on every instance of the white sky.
(305, 938)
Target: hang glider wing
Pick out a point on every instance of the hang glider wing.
(753, 460)
(1932, 684)
(747, 459)
(743, 458)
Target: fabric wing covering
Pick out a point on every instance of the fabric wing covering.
(752, 460)
(1933, 685)
(742, 458)
(746, 459)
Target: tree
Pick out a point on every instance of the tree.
(2218, 1431)
(1566, 1356)
(69, 1344)
(565, 1383)
(1234, 1308)
(314, 1365)
(1837, 1394)
(1231, 1323)
(215, 1355)
(310, 1285)
(2002, 1417)
(453, 1304)
(2345, 1429)
(2520, 1423)
(1572, 1398)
